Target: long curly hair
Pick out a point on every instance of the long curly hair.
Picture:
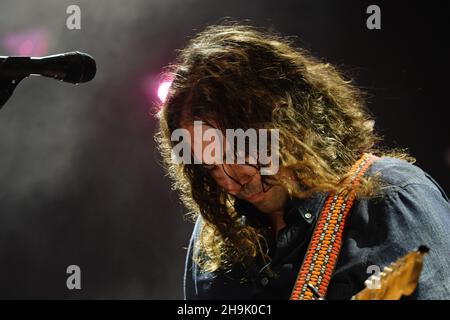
(243, 77)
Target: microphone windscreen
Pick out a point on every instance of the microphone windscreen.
(81, 67)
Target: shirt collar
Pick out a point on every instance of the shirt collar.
(307, 209)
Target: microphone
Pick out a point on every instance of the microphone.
(73, 67)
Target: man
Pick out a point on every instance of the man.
(255, 230)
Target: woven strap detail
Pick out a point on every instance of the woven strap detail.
(326, 242)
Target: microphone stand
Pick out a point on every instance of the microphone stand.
(8, 82)
(7, 86)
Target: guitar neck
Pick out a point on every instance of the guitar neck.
(398, 279)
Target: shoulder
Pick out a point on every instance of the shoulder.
(399, 175)
(397, 172)
(412, 210)
(411, 204)
(407, 189)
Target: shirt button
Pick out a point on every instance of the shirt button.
(308, 215)
(264, 281)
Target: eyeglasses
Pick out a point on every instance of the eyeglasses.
(265, 185)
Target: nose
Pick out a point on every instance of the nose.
(229, 185)
(226, 182)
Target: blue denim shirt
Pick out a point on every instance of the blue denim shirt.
(412, 210)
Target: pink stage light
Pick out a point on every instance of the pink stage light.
(163, 90)
(26, 43)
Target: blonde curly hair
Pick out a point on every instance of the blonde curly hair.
(246, 78)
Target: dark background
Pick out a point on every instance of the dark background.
(80, 181)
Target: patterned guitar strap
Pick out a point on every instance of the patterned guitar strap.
(326, 242)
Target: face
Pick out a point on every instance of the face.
(241, 180)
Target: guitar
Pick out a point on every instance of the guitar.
(396, 280)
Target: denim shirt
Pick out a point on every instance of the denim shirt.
(412, 210)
